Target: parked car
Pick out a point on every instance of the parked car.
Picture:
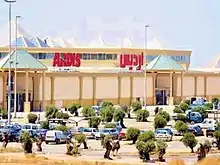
(210, 131)
(55, 136)
(214, 143)
(169, 130)
(97, 109)
(196, 130)
(143, 130)
(89, 132)
(107, 131)
(11, 135)
(163, 135)
(122, 135)
(207, 123)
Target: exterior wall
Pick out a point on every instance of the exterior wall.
(1, 90)
(106, 87)
(87, 88)
(163, 81)
(66, 88)
(200, 86)
(188, 86)
(212, 86)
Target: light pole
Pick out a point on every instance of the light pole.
(9, 68)
(145, 71)
(15, 78)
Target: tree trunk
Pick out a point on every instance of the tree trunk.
(85, 145)
(147, 156)
(134, 141)
(76, 113)
(192, 151)
(122, 123)
(129, 115)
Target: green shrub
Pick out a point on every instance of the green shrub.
(208, 106)
(187, 102)
(110, 125)
(178, 110)
(215, 100)
(142, 115)
(107, 113)
(94, 122)
(132, 134)
(88, 112)
(44, 124)
(159, 121)
(59, 115)
(73, 109)
(181, 117)
(32, 118)
(80, 138)
(119, 116)
(136, 106)
(65, 116)
(50, 112)
(181, 127)
(146, 145)
(165, 115)
(190, 141)
(107, 104)
(27, 142)
(62, 128)
(146, 136)
(184, 106)
(217, 137)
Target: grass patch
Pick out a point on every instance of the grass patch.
(11, 150)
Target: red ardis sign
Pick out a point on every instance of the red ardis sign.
(131, 60)
(66, 60)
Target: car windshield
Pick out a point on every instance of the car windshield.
(105, 131)
(26, 127)
(87, 130)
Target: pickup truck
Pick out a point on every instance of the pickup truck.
(207, 123)
(192, 117)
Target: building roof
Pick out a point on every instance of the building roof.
(22, 41)
(163, 62)
(38, 42)
(25, 61)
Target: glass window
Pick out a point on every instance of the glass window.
(86, 56)
(49, 55)
(114, 56)
(101, 56)
(94, 56)
(42, 56)
(109, 57)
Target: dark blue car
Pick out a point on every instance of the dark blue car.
(196, 130)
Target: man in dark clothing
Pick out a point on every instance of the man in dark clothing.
(201, 152)
(4, 139)
(39, 143)
(108, 147)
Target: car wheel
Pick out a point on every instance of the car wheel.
(57, 141)
(46, 142)
(214, 144)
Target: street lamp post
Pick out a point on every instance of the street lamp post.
(145, 71)
(15, 78)
(9, 68)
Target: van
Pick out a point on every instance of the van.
(31, 126)
(55, 136)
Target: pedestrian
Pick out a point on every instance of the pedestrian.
(39, 143)
(4, 139)
(108, 147)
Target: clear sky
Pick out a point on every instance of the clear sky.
(182, 24)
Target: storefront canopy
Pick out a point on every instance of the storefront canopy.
(25, 61)
(164, 63)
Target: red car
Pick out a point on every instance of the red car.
(122, 135)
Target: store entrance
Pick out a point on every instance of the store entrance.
(20, 101)
(161, 97)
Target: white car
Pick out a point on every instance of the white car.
(207, 123)
(163, 135)
(55, 136)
